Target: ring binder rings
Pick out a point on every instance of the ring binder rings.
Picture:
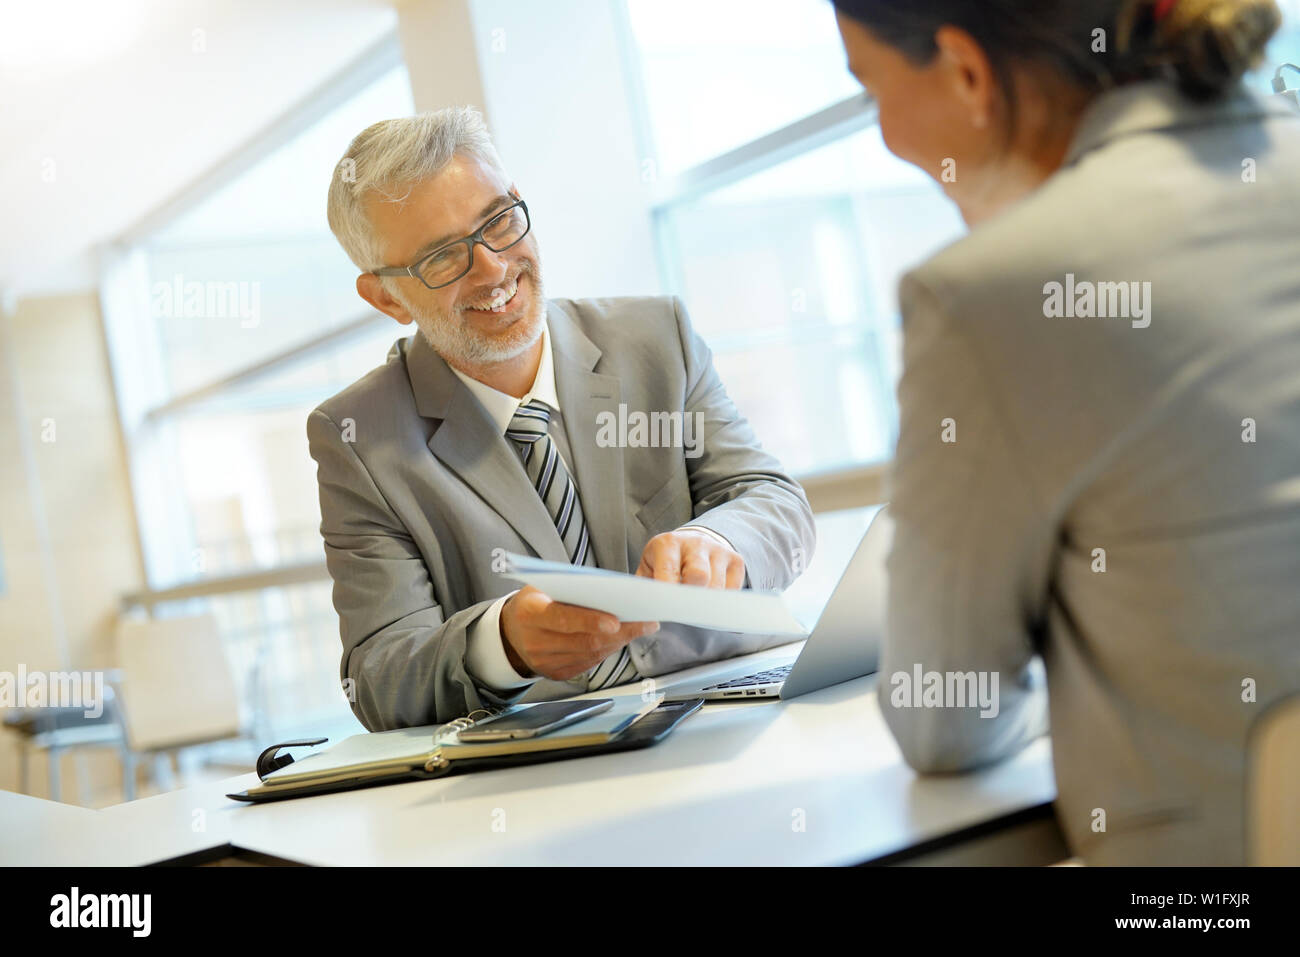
(421, 753)
(456, 725)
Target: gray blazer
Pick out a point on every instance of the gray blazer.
(1103, 503)
(418, 488)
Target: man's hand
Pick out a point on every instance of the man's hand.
(692, 558)
(559, 641)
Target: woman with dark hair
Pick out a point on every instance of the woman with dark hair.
(1099, 448)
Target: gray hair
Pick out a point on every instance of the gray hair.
(391, 157)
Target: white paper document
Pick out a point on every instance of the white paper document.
(632, 598)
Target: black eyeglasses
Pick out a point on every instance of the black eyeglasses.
(446, 264)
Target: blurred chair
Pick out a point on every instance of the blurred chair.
(176, 690)
(57, 730)
(1273, 786)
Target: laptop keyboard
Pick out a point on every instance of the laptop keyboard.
(758, 678)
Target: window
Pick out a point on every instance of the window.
(227, 324)
(251, 320)
(720, 73)
(781, 219)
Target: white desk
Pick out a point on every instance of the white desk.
(36, 831)
(727, 787)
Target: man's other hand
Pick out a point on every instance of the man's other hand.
(691, 557)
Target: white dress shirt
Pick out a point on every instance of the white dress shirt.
(485, 654)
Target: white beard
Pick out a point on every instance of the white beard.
(461, 347)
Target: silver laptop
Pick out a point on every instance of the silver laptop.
(845, 643)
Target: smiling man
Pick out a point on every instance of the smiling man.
(488, 432)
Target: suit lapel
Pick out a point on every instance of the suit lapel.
(598, 471)
(468, 443)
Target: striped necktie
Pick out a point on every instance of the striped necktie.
(528, 429)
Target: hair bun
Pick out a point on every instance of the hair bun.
(1213, 43)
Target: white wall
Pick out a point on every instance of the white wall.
(69, 540)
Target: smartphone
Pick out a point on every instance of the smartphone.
(535, 720)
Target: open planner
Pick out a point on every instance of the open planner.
(430, 751)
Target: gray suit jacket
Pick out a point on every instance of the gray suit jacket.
(1080, 434)
(418, 489)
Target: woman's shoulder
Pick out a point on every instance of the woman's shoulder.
(1148, 183)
